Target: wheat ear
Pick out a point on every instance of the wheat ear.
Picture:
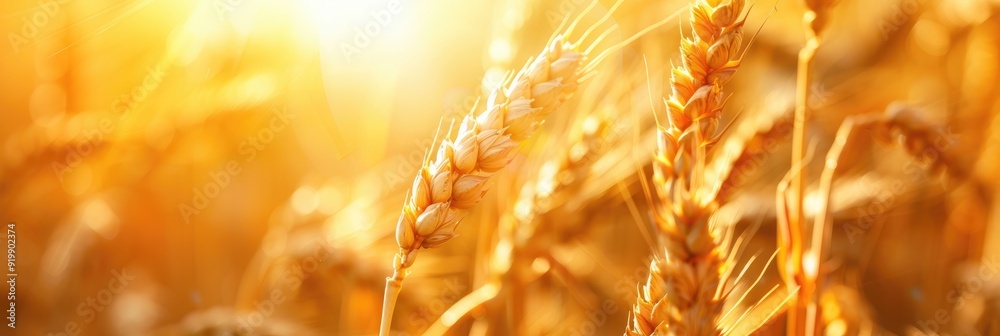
(519, 247)
(444, 190)
(927, 143)
(682, 295)
(547, 212)
(537, 218)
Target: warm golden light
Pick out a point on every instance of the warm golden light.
(341, 15)
(501, 167)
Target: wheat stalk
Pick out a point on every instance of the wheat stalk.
(682, 294)
(791, 265)
(806, 270)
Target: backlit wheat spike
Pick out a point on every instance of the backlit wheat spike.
(681, 295)
(742, 156)
(458, 178)
(446, 188)
(557, 180)
(559, 177)
(542, 215)
(927, 143)
(523, 240)
(569, 182)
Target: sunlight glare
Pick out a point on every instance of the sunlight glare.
(338, 16)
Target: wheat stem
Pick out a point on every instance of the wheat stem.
(814, 21)
(393, 285)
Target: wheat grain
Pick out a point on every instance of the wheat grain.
(682, 294)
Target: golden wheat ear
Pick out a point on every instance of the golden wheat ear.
(448, 186)
(534, 217)
(683, 294)
(458, 177)
(532, 231)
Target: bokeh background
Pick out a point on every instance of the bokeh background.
(172, 165)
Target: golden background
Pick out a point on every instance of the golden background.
(210, 150)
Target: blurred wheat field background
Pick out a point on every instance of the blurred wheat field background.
(674, 167)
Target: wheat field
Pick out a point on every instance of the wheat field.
(503, 167)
